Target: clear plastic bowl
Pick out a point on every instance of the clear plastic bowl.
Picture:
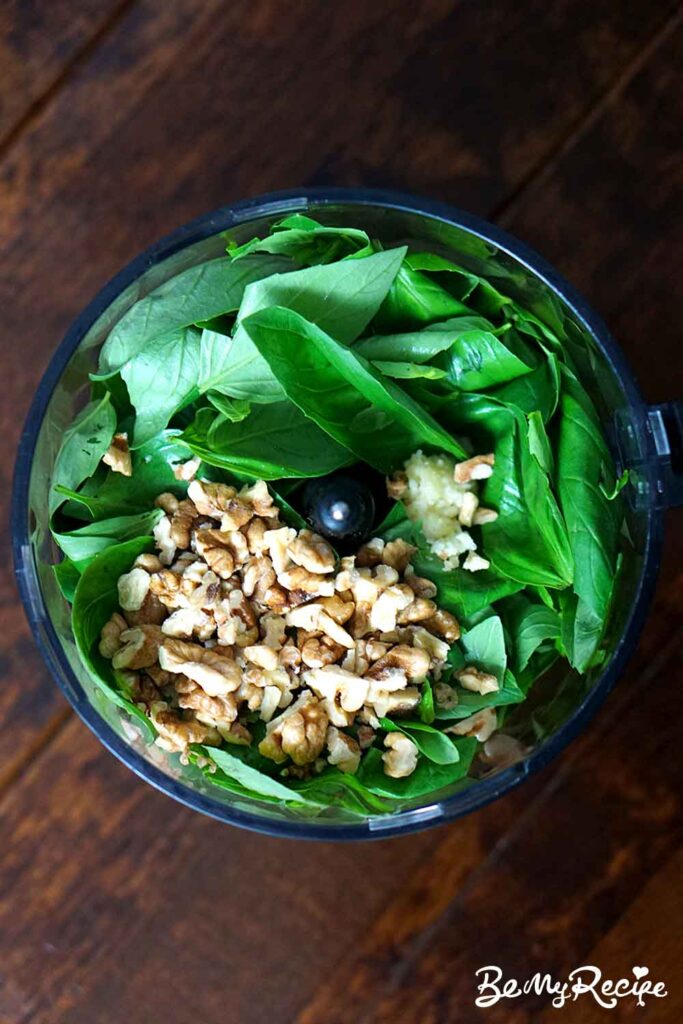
(627, 420)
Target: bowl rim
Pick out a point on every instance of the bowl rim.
(485, 790)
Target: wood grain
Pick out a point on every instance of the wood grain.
(171, 116)
(647, 933)
(39, 42)
(117, 904)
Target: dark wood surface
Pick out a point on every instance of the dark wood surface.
(119, 121)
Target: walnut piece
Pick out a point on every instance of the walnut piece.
(133, 588)
(214, 547)
(312, 552)
(176, 733)
(110, 637)
(140, 648)
(117, 455)
(343, 750)
(474, 679)
(400, 758)
(216, 673)
(480, 725)
(299, 732)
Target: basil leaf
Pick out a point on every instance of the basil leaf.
(539, 443)
(537, 391)
(428, 777)
(341, 298)
(415, 301)
(111, 494)
(274, 441)
(368, 414)
(233, 366)
(479, 293)
(408, 371)
(67, 575)
(251, 778)
(528, 625)
(528, 541)
(592, 520)
(435, 745)
(87, 541)
(233, 409)
(425, 709)
(197, 294)
(462, 592)
(335, 788)
(305, 241)
(81, 451)
(162, 378)
(95, 600)
(484, 647)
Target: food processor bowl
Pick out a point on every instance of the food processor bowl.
(645, 440)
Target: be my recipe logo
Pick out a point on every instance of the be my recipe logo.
(586, 981)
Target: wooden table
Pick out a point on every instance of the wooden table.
(119, 120)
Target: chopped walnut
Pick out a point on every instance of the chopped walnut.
(140, 647)
(185, 623)
(258, 577)
(445, 696)
(420, 586)
(150, 613)
(214, 547)
(261, 655)
(480, 725)
(164, 541)
(117, 455)
(412, 660)
(343, 750)
(400, 758)
(210, 710)
(149, 562)
(419, 609)
(397, 553)
(370, 553)
(255, 534)
(342, 691)
(316, 652)
(176, 733)
(238, 613)
(478, 468)
(470, 503)
(110, 637)
(181, 523)
(312, 552)
(278, 542)
(133, 588)
(444, 625)
(309, 583)
(385, 610)
(260, 498)
(187, 470)
(474, 679)
(299, 732)
(216, 673)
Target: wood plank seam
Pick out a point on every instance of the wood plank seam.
(79, 58)
(505, 210)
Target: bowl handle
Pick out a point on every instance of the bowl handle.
(665, 423)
